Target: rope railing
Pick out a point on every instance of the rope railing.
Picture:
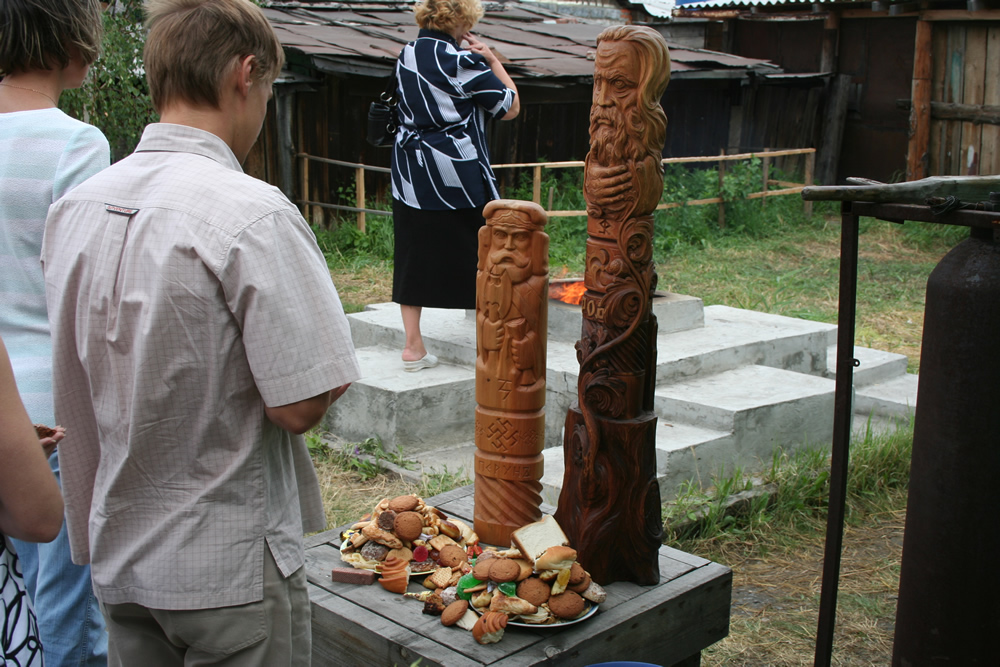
(785, 187)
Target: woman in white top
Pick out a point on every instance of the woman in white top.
(46, 46)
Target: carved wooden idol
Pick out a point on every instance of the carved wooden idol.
(609, 506)
(511, 322)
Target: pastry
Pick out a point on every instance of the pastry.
(439, 542)
(489, 628)
(395, 575)
(452, 555)
(482, 599)
(511, 606)
(566, 605)
(453, 612)
(433, 605)
(450, 529)
(449, 595)
(503, 569)
(534, 590)
(376, 534)
(556, 558)
(595, 593)
(534, 538)
(407, 525)
(403, 503)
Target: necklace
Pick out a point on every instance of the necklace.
(10, 85)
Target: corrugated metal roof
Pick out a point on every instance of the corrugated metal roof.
(365, 38)
(735, 4)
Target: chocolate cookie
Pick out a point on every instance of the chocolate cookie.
(534, 590)
(454, 611)
(386, 519)
(403, 503)
(503, 569)
(581, 586)
(407, 526)
(452, 556)
(374, 551)
(566, 605)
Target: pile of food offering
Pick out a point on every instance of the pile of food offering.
(535, 582)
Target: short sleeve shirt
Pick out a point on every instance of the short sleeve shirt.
(184, 297)
(446, 95)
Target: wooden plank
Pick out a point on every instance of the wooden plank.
(939, 61)
(677, 620)
(973, 91)
(833, 129)
(953, 93)
(917, 157)
(991, 97)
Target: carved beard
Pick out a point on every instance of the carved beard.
(515, 265)
(620, 139)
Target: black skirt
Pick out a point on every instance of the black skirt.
(435, 256)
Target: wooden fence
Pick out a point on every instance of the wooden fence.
(784, 187)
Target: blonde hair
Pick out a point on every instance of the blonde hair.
(446, 15)
(43, 34)
(193, 45)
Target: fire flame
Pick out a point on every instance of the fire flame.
(567, 292)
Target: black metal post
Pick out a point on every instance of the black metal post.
(843, 410)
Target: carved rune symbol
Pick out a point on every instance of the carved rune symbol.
(505, 389)
(501, 434)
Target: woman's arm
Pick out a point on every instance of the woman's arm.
(491, 59)
(31, 505)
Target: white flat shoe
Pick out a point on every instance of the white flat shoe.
(427, 361)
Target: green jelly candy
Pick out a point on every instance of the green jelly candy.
(467, 581)
(508, 588)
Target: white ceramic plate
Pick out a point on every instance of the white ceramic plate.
(591, 610)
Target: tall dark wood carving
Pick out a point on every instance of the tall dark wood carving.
(512, 288)
(609, 506)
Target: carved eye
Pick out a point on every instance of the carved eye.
(619, 84)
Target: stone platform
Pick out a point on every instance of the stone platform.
(732, 386)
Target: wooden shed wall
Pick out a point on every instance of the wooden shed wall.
(965, 70)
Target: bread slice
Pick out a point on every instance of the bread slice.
(533, 539)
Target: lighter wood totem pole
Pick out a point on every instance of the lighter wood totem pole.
(609, 506)
(511, 327)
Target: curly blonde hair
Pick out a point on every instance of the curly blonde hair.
(447, 15)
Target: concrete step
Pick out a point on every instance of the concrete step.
(764, 407)
(449, 334)
(419, 411)
(876, 366)
(893, 398)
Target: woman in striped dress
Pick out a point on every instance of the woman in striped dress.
(441, 175)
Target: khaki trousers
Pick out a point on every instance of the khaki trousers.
(271, 633)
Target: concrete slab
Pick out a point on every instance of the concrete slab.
(674, 312)
(875, 365)
(420, 411)
(765, 408)
(896, 397)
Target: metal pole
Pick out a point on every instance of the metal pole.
(841, 434)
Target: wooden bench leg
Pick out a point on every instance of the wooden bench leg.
(690, 661)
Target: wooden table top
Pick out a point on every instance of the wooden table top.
(666, 624)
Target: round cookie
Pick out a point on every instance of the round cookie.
(403, 503)
(534, 590)
(581, 586)
(408, 525)
(566, 605)
(481, 570)
(452, 556)
(576, 574)
(453, 612)
(503, 570)
(374, 551)
(386, 519)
